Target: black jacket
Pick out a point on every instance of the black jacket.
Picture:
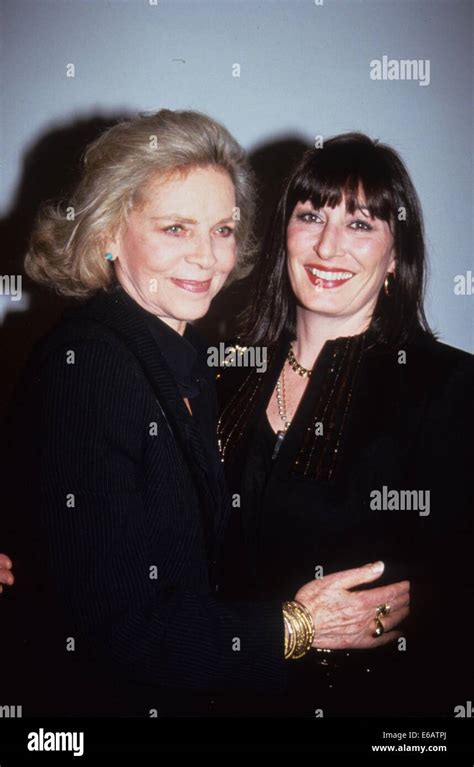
(395, 418)
(117, 528)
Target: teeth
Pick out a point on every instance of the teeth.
(329, 275)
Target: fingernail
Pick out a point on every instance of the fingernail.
(378, 567)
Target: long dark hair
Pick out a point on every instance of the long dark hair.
(345, 165)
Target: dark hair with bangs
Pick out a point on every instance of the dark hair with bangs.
(347, 166)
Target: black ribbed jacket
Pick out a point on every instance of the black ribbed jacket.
(117, 529)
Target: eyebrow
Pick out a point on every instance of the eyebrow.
(362, 208)
(182, 220)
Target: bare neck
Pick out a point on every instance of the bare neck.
(313, 330)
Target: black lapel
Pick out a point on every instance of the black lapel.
(118, 311)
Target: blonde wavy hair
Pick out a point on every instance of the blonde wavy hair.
(69, 255)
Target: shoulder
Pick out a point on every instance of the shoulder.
(423, 362)
(85, 361)
(423, 378)
(440, 385)
(444, 355)
(80, 335)
(441, 364)
(75, 328)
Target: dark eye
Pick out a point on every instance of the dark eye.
(308, 218)
(361, 226)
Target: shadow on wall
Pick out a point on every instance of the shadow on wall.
(272, 163)
(50, 171)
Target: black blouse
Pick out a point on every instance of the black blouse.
(396, 421)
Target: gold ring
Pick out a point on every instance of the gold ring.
(379, 628)
(382, 610)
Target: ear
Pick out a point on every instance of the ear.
(392, 264)
(112, 244)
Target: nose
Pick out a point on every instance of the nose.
(202, 252)
(329, 243)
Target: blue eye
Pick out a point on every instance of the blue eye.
(174, 229)
(226, 231)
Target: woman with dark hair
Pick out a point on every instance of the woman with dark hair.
(349, 448)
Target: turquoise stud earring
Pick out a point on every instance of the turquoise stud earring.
(109, 256)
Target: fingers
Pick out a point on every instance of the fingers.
(368, 641)
(368, 607)
(389, 623)
(393, 619)
(399, 608)
(387, 638)
(347, 579)
(6, 576)
(386, 594)
(390, 635)
(356, 627)
(5, 562)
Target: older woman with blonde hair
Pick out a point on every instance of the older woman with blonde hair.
(118, 481)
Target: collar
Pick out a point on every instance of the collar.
(180, 352)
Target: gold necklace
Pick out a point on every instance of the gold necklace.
(281, 404)
(295, 365)
(281, 399)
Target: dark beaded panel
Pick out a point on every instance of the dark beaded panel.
(330, 388)
(235, 416)
(318, 455)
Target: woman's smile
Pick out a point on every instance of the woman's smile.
(326, 278)
(320, 243)
(183, 231)
(193, 286)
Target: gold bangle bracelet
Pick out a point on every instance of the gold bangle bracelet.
(299, 633)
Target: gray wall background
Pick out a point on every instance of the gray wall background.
(305, 70)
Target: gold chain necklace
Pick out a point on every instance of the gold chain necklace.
(295, 365)
(281, 397)
(281, 400)
(281, 404)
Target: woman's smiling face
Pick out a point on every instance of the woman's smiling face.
(178, 246)
(338, 261)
